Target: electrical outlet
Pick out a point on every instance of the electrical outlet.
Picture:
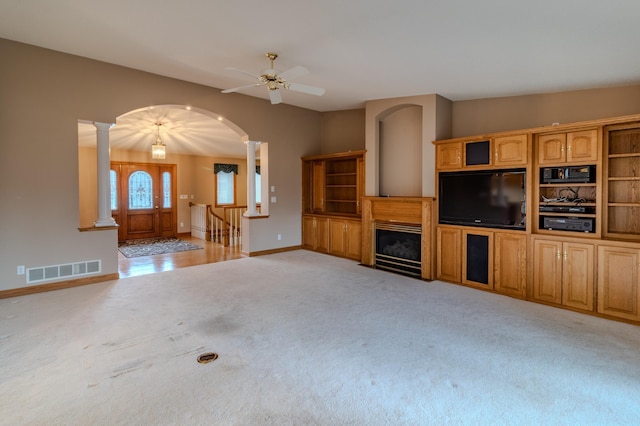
(20, 270)
(279, 237)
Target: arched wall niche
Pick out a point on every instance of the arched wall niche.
(435, 123)
(400, 151)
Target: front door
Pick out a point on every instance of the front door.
(146, 201)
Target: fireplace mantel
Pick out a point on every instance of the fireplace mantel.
(407, 210)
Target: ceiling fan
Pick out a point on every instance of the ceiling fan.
(274, 81)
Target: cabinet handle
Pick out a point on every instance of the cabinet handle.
(565, 255)
(558, 254)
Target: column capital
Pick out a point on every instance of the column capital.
(103, 127)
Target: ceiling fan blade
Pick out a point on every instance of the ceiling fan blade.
(306, 89)
(293, 73)
(257, 77)
(275, 96)
(246, 86)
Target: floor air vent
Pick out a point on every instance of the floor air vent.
(67, 270)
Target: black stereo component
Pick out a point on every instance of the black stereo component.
(576, 224)
(573, 174)
(568, 209)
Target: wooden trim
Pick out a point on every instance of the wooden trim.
(582, 125)
(98, 228)
(272, 251)
(334, 156)
(23, 291)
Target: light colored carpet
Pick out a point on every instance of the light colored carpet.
(305, 338)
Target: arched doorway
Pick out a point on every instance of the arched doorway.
(194, 140)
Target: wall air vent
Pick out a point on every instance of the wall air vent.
(67, 270)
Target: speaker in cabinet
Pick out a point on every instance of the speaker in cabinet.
(478, 258)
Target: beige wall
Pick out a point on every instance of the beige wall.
(400, 153)
(342, 131)
(480, 116)
(45, 93)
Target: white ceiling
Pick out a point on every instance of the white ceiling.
(357, 50)
(183, 131)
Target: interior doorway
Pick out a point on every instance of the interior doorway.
(143, 200)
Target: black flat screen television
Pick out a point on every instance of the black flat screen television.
(488, 198)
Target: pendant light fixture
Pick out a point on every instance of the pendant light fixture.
(158, 149)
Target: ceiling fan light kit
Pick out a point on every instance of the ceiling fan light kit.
(274, 81)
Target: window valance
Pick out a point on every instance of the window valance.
(225, 168)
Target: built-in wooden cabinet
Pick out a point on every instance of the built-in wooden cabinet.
(315, 233)
(618, 281)
(496, 152)
(509, 151)
(333, 184)
(567, 148)
(582, 234)
(492, 260)
(563, 273)
(332, 235)
(622, 189)
(510, 263)
(345, 238)
(332, 190)
(449, 251)
(449, 156)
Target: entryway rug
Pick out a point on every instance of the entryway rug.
(153, 246)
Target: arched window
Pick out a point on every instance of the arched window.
(140, 191)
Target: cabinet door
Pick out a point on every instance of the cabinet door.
(618, 282)
(582, 146)
(354, 240)
(315, 233)
(547, 271)
(510, 262)
(318, 186)
(510, 150)
(449, 156)
(577, 275)
(551, 148)
(361, 182)
(448, 264)
(309, 232)
(322, 234)
(337, 237)
(477, 258)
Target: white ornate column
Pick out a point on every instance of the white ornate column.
(104, 184)
(251, 179)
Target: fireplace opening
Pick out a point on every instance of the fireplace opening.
(399, 248)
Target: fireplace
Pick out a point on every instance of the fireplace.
(397, 234)
(398, 248)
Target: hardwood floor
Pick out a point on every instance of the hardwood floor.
(211, 253)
